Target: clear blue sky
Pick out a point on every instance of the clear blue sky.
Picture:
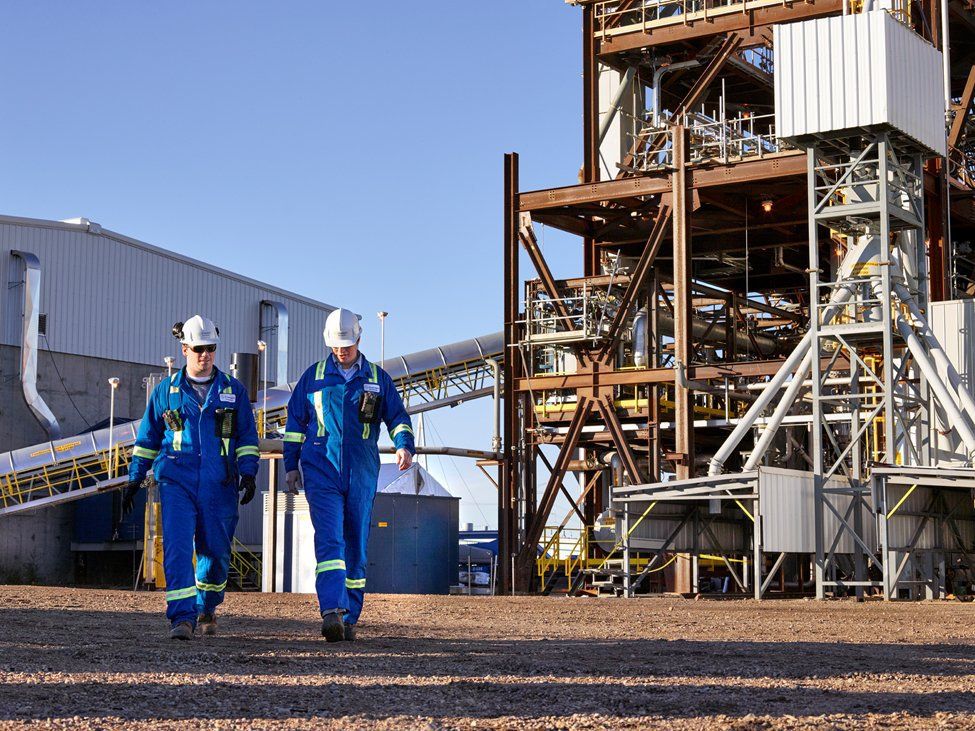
(348, 151)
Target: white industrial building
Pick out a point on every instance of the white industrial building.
(105, 305)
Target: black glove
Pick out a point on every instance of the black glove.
(247, 485)
(128, 497)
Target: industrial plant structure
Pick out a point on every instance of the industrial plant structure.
(764, 362)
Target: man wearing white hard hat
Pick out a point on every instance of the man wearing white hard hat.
(198, 436)
(334, 418)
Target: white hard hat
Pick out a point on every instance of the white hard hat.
(197, 331)
(342, 329)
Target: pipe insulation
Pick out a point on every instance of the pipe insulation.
(29, 345)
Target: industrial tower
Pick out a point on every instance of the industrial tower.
(746, 371)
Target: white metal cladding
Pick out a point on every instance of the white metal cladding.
(663, 520)
(953, 324)
(787, 506)
(110, 296)
(855, 71)
(903, 525)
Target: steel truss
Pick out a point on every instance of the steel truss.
(866, 192)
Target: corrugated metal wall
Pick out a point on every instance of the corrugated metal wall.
(953, 324)
(788, 508)
(862, 70)
(109, 296)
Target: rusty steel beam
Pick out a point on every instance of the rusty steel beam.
(551, 469)
(749, 369)
(508, 495)
(962, 110)
(606, 409)
(639, 277)
(533, 532)
(683, 315)
(770, 168)
(750, 24)
(527, 235)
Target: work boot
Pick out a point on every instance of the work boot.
(349, 632)
(207, 624)
(333, 629)
(181, 631)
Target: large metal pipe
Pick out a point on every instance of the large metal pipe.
(641, 331)
(281, 311)
(718, 333)
(614, 106)
(941, 359)
(755, 410)
(959, 422)
(788, 398)
(29, 345)
(789, 367)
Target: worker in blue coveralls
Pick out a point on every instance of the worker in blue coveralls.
(198, 436)
(333, 427)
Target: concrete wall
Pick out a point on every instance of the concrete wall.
(36, 546)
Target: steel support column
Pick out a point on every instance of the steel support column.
(508, 497)
(683, 273)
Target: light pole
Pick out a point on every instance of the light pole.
(170, 361)
(382, 338)
(261, 348)
(113, 382)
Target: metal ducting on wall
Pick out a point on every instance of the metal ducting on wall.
(281, 310)
(28, 344)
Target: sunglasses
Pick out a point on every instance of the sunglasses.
(203, 348)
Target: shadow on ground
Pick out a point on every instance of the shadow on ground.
(277, 669)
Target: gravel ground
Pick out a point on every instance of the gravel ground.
(101, 659)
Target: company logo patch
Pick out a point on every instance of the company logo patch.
(374, 387)
(230, 398)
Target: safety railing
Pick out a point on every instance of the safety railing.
(562, 549)
(961, 167)
(615, 17)
(569, 550)
(618, 17)
(737, 138)
(543, 324)
(46, 471)
(245, 566)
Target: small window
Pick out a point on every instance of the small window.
(42, 324)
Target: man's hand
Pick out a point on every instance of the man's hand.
(403, 459)
(247, 485)
(128, 497)
(293, 479)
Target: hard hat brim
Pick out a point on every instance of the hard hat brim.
(340, 342)
(201, 341)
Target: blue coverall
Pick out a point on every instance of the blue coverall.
(197, 474)
(339, 458)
